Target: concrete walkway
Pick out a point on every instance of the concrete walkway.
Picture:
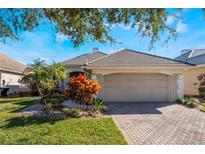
(159, 123)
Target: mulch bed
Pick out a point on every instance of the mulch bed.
(37, 110)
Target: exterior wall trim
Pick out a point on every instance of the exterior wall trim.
(180, 86)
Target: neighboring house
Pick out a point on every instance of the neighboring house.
(197, 57)
(132, 76)
(11, 72)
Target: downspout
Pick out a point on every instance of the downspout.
(0, 78)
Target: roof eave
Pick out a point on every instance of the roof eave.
(12, 71)
(139, 67)
(200, 65)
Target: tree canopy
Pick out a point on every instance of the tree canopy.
(84, 25)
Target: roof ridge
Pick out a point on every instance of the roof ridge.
(81, 56)
(191, 53)
(101, 52)
(103, 57)
(199, 49)
(182, 54)
(74, 58)
(196, 56)
(120, 50)
(160, 57)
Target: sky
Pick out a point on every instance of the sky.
(44, 43)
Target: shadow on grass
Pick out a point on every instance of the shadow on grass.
(12, 105)
(29, 120)
(24, 104)
(12, 99)
(18, 104)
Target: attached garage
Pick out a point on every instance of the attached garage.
(132, 76)
(135, 87)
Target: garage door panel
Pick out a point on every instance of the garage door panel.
(148, 95)
(139, 84)
(136, 88)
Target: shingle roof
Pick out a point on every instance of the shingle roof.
(129, 58)
(197, 52)
(184, 56)
(10, 64)
(198, 60)
(84, 59)
(196, 56)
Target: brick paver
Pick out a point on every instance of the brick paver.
(159, 123)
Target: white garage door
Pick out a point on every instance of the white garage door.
(136, 88)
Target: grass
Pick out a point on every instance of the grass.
(18, 129)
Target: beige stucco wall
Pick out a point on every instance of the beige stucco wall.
(12, 81)
(11, 78)
(190, 78)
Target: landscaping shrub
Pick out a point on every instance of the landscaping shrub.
(179, 101)
(184, 101)
(98, 104)
(202, 108)
(34, 93)
(47, 106)
(81, 90)
(189, 101)
(194, 100)
(75, 113)
(189, 104)
(53, 102)
(65, 110)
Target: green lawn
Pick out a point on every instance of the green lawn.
(16, 129)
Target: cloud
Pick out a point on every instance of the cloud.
(125, 27)
(60, 37)
(122, 26)
(170, 20)
(181, 27)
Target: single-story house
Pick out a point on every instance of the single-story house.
(11, 72)
(196, 57)
(132, 76)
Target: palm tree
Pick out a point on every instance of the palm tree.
(33, 78)
(44, 77)
(58, 71)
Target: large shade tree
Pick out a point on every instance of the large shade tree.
(83, 25)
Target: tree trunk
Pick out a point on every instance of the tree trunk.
(39, 90)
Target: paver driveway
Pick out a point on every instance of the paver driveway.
(159, 123)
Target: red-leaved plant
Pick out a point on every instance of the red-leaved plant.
(201, 79)
(81, 90)
(201, 84)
